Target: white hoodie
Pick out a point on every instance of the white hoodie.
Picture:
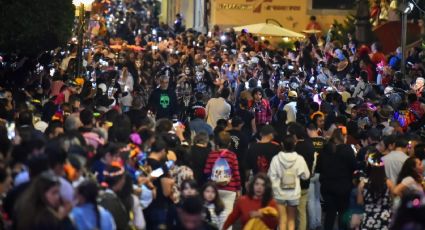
(287, 161)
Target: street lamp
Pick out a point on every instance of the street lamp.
(81, 6)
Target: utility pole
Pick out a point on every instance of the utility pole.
(403, 38)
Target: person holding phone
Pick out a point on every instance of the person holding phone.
(156, 212)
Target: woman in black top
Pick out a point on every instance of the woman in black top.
(336, 166)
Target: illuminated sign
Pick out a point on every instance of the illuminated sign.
(256, 6)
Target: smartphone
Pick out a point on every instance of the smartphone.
(157, 172)
(290, 67)
(52, 72)
(246, 85)
(11, 130)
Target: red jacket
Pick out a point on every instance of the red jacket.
(244, 206)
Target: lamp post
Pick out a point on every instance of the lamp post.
(82, 6)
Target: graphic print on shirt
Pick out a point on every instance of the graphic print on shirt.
(221, 171)
(263, 164)
(164, 101)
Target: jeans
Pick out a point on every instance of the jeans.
(228, 198)
(314, 207)
(336, 203)
(302, 211)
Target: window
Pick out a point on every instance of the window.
(333, 4)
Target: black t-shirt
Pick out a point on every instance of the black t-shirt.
(163, 103)
(198, 158)
(239, 145)
(160, 202)
(318, 143)
(260, 155)
(305, 148)
(246, 117)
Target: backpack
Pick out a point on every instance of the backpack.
(221, 172)
(289, 178)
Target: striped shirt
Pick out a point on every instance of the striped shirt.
(231, 158)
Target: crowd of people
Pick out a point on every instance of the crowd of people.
(168, 128)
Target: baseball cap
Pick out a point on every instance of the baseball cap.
(292, 94)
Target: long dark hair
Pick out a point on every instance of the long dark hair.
(408, 169)
(218, 203)
(376, 184)
(34, 203)
(89, 190)
(337, 138)
(267, 196)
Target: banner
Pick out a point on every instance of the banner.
(291, 14)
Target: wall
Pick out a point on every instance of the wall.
(292, 14)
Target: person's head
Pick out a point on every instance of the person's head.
(338, 137)
(257, 94)
(86, 117)
(420, 151)
(312, 130)
(114, 177)
(363, 76)
(159, 148)
(297, 130)
(387, 144)
(201, 138)
(54, 129)
(189, 188)
(108, 153)
(319, 120)
(86, 192)
(25, 118)
(376, 175)
(225, 93)
(75, 102)
(411, 167)
(190, 212)
(374, 135)
(163, 82)
(163, 126)
(411, 212)
(401, 144)
(313, 18)
(288, 143)
(223, 140)
(267, 133)
(292, 95)
(56, 156)
(260, 187)
(44, 191)
(419, 83)
(237, 122)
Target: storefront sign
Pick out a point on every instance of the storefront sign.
(257, 6)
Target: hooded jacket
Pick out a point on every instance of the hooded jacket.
(287, 161)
